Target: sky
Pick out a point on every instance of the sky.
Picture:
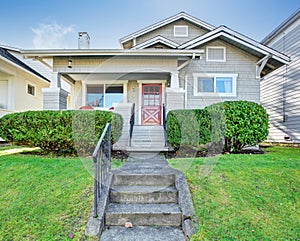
(54, 24)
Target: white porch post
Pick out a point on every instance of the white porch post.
(55, 98)
(174, 80)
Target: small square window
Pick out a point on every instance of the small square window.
(30, 89)
(181, 31)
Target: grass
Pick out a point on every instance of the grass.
(43, 198)
(246, 197)
(236, 197)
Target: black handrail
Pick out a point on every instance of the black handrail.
(102, 165)
(165, 125)
(131, 122)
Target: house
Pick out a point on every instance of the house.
(180, 62)
(280, 90)
(20, 84)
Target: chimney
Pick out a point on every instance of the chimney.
(83, 40)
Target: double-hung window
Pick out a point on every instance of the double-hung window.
(215, 84)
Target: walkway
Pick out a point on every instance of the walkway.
(152, 197)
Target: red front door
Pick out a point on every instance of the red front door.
(151, 104)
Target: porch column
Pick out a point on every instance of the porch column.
(55, 98)
(174, 80)
(174, 94)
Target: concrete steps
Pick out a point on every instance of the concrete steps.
(145, 195)
(144, 233)
(143, 214)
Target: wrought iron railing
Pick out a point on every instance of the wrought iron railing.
(165, 125)
(102, 165)
(131, 122)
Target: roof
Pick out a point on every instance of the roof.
(181, 15)
(5, 54)
(109, 52)
(155, 40)
(237, 40)
(288, 22)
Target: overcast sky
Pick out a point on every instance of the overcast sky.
(33, 24)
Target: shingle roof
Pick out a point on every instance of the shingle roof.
(4, 53)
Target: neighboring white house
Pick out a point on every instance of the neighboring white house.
(180, 62)
(280, 90)
(20, 84)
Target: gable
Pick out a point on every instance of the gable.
(168, 32)
(165, 28)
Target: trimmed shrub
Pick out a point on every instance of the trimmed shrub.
(188, 127)
(59, 131)
(246, 123)
(234, 123)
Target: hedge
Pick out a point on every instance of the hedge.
(235, 123)
(59, 131)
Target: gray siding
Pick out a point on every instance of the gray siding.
(237, 62)
(168, 32)
(280, 91)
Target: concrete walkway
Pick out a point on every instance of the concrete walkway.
(17, 150)
(153, 197)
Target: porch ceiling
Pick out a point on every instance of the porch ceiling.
(120, 76)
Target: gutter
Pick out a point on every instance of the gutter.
(109, 52)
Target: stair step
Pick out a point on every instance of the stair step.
(143, 214)
(143, 194)
(142, 233)
(144, 179)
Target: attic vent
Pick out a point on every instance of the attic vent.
(181, 31)
(216, 54)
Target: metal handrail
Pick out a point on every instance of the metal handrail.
(165, 125)
(102, 165)
(131, 122)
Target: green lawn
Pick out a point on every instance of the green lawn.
(246, 197)
(236, 197)
(44, 198)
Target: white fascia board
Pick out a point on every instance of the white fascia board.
(165, 22)
(129, 52)
(155, 40)
(239, 38)
(25, 70)
(282, 27)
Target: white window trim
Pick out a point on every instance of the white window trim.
(104, 83)
(215, 47)
(181, 26)
(33, 87)
(215, 93)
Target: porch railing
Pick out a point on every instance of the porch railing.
(131, 122)
(165, 125)
(102, 165)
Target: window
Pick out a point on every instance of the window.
(215, 54)
(215, 84)
(30, 89)
(95, 95)
(104, 96)
(181, 31)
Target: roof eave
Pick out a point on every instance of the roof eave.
(284, 25)
(91, 52)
